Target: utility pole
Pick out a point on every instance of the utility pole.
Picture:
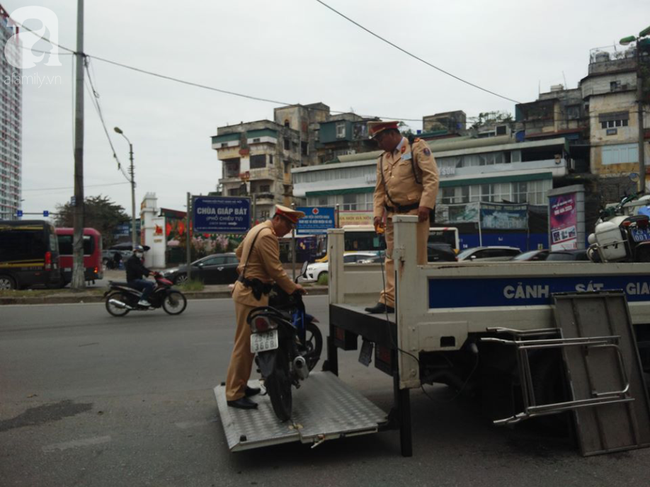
(188, 237)
(639, 99)
(133, 230)
(78, 277)
(132, 173)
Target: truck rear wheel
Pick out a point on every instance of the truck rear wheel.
(549, 386)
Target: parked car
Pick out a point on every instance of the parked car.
(213, 269)
(532, 256)
(488, 253)
(440, 252)
(567, 255)
(317, 269)
(29, 255)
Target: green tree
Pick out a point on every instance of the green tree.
(490, 118)
(100, 213)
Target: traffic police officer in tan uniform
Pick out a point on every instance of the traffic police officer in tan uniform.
(259, 266)
(407, 184)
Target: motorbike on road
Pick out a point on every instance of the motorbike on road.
(622, 235)
(287, 343)
(121, 298)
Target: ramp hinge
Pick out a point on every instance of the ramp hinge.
(321, 439)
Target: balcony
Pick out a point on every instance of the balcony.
(264, 198)
(263, 174)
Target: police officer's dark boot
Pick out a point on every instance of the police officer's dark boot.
(380, 308)
(243, 403)
(251, 391)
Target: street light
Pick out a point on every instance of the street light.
(639, 98)
(133, 239)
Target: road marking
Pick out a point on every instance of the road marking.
(97, 440)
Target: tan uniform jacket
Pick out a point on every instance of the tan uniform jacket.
(400, 182)
(263, 264)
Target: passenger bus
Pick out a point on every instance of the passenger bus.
(362, 238)
(29, 254)
(93, 268)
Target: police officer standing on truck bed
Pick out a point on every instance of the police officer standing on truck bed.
(259, 266)
(407, 184)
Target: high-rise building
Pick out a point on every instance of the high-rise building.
(10, 118)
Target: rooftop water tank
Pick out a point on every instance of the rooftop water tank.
(602, 56)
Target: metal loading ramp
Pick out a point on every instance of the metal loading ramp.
(607, 394)
(324, 408)
(610, 371)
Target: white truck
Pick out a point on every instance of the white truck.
(529, 338)
(450, 321)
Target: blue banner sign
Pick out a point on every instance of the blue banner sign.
(221, 214)
(316, 221)
(470, 293)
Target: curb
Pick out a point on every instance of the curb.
(88, 298)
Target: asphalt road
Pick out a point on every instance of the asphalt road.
(91, 400)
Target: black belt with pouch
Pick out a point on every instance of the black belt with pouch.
(403, 209)
(258, 287)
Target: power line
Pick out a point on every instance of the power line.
(22, 26)
(413, 55)
(95, 100)
(211, 88)
(190, 83)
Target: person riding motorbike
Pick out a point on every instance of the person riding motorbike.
(135, 273)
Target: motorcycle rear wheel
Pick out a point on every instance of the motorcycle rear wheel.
(174, 303)
(116, 310)
(278, 386)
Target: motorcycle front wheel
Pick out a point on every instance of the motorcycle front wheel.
(313, 344)
(278, 386)
(174, 303)
(117, 310)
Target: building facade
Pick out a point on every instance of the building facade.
(257, 159)
(342, 135)
(11, 127)
(609, 93)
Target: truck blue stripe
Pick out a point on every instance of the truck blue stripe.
(469, 293)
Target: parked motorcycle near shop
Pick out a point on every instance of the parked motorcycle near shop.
(622, 232)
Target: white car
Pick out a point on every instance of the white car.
(317, 269)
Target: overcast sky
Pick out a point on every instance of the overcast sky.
(294, 51)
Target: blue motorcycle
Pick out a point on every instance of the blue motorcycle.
(287, 343)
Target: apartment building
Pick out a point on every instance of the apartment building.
(11, 120)
(609, 94)
(257, 159)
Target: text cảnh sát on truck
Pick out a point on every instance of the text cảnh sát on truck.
(530, 339)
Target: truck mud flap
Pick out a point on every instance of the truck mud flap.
(324, 408)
